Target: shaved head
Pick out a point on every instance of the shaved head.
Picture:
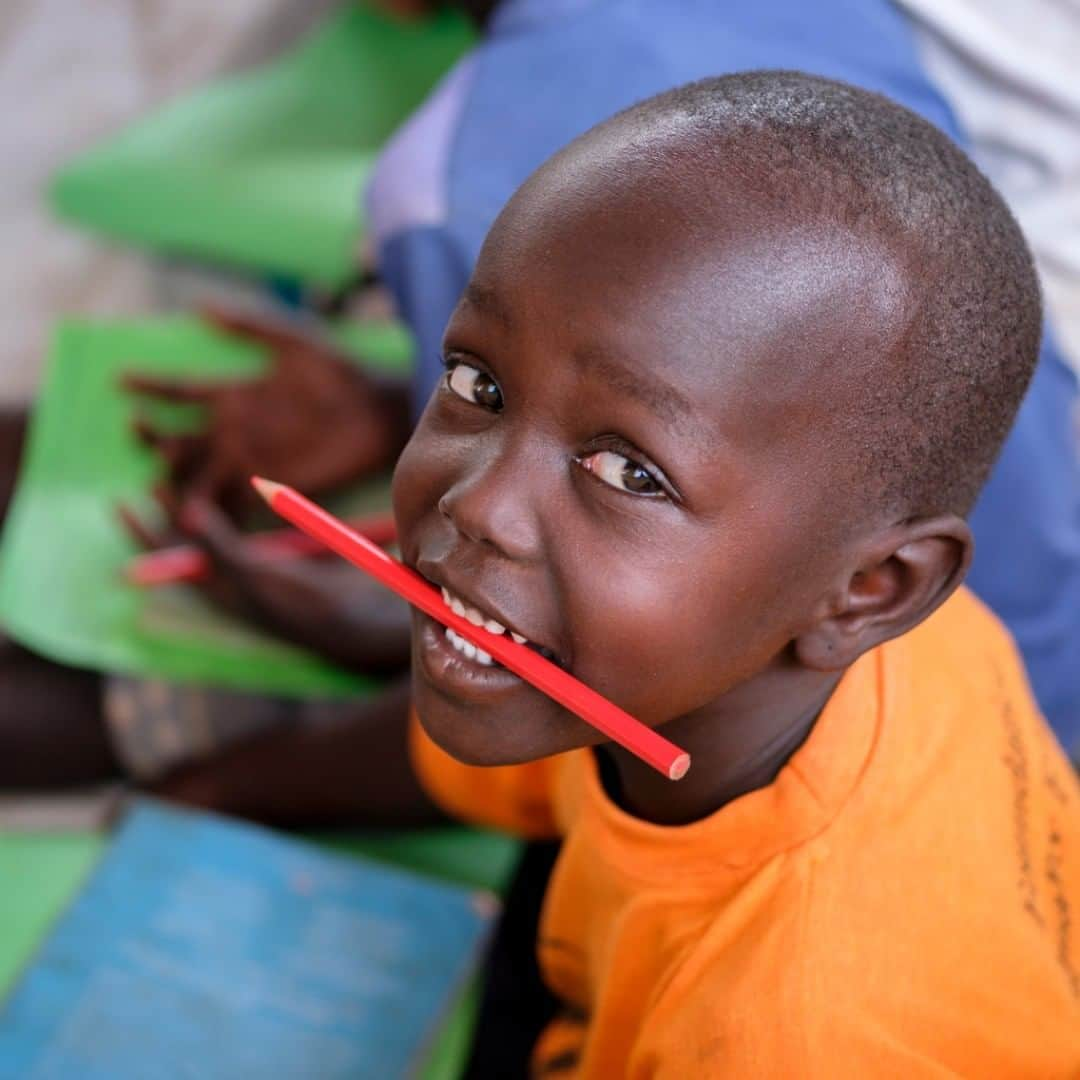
(905, 283)
(728, 372)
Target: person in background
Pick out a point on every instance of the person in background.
(81, 72)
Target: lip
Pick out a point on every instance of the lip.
(434, 574)
(450, 673)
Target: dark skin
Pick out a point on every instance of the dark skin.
(13, 424)
(319, 603)
(355, 772)
(264, 425)
(742, 571)
(613, 470)
(50, 728)
(52, 734)
(314, 420)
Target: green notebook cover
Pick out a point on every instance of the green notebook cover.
(63, 550)
(265, 170)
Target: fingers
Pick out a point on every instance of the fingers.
(178, 451)
(173, 388)
(209, 527)
(196, 469)
(143, 535)
(189, 465)
(240, 579)
(260, 329)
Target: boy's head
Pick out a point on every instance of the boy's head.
(729, 374)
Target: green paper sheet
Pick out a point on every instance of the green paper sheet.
(265, 170)
(63, 549)
(39, 875)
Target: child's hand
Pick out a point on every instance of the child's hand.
(323, 604)
(314, 421)
(352, 771)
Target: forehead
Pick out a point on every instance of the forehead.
(719, 298)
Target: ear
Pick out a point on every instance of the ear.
(901, 576)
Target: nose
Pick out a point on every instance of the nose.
(494, 501)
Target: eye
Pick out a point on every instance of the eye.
(622, 473)
(475, 386)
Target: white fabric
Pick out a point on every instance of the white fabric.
(1011, 71)
(72, 72)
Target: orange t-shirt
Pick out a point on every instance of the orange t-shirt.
(902, 901)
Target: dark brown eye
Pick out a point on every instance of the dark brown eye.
(622, 473)
(638, 480)
(475, 386)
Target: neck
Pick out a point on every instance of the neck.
(736, 744)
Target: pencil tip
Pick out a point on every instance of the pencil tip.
(266, 488)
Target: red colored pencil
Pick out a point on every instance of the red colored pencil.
(187, 564)
(617, 725)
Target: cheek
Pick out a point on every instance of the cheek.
(671, 627)
(418, 482)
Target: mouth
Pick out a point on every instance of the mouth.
(459, 670)
(480, 618)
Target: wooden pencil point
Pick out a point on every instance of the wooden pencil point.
(266, 488)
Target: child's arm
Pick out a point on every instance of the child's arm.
(352, 772)
(321, 604)
(324, 605)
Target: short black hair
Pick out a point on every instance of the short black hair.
(930, 430)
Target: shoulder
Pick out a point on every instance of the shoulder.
(408, 188)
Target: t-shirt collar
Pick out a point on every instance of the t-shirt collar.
(806, 795)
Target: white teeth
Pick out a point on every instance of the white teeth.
(467, 648)
(477, 618)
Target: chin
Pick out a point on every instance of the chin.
(464, 740)
(492, 736)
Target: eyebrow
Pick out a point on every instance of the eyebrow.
(649, 390)
(487, 300)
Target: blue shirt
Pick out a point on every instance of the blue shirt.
(550, 69)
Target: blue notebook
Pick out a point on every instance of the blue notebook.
(205, 948)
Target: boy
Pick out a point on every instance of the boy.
(728, 376)
(544, 72)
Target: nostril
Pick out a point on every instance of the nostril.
(466, 516)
